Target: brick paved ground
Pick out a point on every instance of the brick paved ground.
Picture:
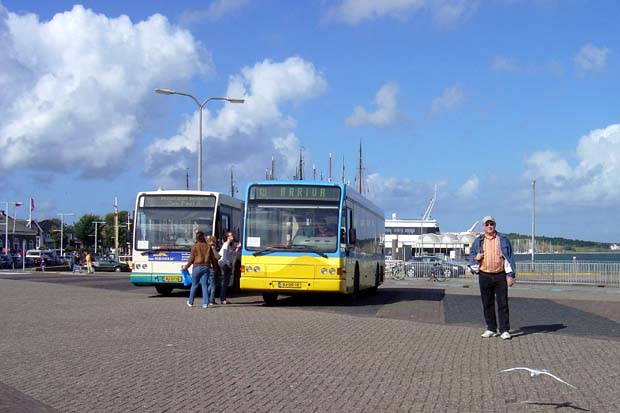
(81, 349)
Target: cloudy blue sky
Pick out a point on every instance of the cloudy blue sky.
(477, 97)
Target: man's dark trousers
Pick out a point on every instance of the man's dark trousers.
(494, 287)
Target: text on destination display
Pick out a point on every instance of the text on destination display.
(301, 192)
(178, 201)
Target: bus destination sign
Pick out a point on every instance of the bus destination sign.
(295, 192)
(178, 201)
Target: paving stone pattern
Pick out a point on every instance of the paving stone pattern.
(84, 349)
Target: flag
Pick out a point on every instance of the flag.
(32, 204)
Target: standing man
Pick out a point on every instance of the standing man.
(493, 253)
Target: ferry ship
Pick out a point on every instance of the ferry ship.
(407, 237)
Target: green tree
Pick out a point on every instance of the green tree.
(55, 232)
(108, 230)
(84, 229)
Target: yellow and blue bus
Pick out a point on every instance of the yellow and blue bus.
(165, 225)
(310, 236)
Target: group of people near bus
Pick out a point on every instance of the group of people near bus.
(206, 263)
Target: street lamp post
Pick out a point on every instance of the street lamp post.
(533, 222)
(62, 227)
(6, 225)
(97, 222)
(200, 106)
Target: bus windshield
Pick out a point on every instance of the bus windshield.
(292, 226)
(171, 229)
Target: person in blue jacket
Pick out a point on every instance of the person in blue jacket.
(492, 254)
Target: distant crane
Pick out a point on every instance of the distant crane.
(429, 208)
(471, 229)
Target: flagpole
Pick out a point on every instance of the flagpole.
(14, 217)
(6, 223)
(6, 229)
(30, 213)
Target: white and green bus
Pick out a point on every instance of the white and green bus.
(165, 225)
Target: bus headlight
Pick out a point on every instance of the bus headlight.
(257, 269)
(323, 271)
(332, 271)
(248, 268)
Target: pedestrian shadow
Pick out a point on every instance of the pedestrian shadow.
(539, 328)
(245, 298)
(366, 298)
(568, 405)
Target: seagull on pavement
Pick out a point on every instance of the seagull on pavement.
(534, 373)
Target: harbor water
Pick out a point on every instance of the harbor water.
(594, 256)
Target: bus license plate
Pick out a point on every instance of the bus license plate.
(289, 284)
(173, 278)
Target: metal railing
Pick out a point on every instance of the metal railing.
(544, 272)
(567, 272)
(399, 269)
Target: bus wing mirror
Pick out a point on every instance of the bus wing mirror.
(352, 236)
(343, 235)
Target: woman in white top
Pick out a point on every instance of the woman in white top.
(226, 264)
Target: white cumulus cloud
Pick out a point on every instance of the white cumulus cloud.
(591, 58)
(450, 98)
(246, 135)
(216, 11)
(73, 89)
(403, 196)
(469, 189)
(443, 11)
(446, 12)
(386, 112)
(591, 177)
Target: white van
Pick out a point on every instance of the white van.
(36, 255)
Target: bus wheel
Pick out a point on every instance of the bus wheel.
(163, 289)
(270, 298)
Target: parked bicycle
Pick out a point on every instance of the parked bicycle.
(396, 271)
(436, 273)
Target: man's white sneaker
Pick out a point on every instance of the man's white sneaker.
(205, 306)
(488, 333)
(189, 305)
(505, 336)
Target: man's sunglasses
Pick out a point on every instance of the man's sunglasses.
(489, 224)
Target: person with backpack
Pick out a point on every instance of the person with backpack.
(492, 254)
(202, 260)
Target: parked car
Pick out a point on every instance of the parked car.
(454, 268)
(427, 265)
(37, 255)
(109, 264)
(5, 261)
